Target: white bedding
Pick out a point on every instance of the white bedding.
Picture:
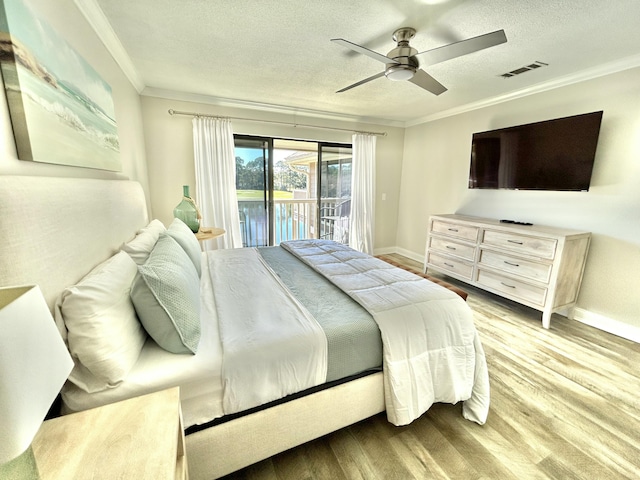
(272, 346)
(201, 382)
(431, 349)
(156, 369)
(200, 376)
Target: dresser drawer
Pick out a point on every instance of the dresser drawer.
(535, 271)
(524, 244)
(446, 245)
(465, 232)
(449, 264)
(512, 288)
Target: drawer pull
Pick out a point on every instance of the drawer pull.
(449, 265)
(451, 248)
(516, 242)
(453, 229)
(512, 264)
(507, 285)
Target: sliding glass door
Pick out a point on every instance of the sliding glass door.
(253, 159)
(334, 187)
(292, 189)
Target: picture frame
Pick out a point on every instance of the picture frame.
(61, 109)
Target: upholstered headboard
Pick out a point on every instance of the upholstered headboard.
(55, 230)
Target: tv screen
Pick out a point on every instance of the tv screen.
(551, 155)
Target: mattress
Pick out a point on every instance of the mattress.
(353, 341)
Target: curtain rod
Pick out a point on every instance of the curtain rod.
(194, 114)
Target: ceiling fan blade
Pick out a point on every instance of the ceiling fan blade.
(373, 77)
(360, 49)
(426, 81)
(464, 47)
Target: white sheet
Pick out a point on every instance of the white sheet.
(156, 369)
(272, 346)
(431, 349)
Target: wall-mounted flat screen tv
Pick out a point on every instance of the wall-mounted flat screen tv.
(551, 155)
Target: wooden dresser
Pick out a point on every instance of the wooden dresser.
(534, 265)
(140, 438)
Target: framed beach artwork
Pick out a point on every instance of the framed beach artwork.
(61, 110)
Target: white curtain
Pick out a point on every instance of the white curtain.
(215, 164)
(363, 181)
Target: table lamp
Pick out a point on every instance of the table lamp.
(34, 364)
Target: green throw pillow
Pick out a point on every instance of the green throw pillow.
(166, 296)
(187, 240)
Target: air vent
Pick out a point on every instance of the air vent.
(526, 68)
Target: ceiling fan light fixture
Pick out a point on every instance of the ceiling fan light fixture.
(399, 73)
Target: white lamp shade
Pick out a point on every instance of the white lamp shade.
(34, 364)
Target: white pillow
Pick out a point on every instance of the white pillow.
(103, 332)
(166, 296)
(140, 247)
(182, 234)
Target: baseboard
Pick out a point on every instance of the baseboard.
(400, 251)
(621, 329)
(385, 251)
(409, 254)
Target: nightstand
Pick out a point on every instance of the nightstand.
(207, 233)
(139, 438)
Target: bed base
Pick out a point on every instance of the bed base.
(230, 446)
(55, 230)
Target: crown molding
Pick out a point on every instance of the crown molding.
(103, 29)
(266, 107)
(101, 26)
(626, 63)
(98, 21)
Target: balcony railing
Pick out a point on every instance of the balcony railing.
(294, 219)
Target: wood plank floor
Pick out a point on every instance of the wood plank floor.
(565, 404)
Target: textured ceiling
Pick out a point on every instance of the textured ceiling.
(279, 52)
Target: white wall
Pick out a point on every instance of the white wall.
(422, 170)
(435, 174)
(67, 20)
(169, 146)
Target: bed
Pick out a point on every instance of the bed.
(69, 235)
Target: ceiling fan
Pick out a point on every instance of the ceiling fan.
(402, 62)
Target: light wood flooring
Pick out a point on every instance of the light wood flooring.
(565, 404)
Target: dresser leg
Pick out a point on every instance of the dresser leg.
(546, 318)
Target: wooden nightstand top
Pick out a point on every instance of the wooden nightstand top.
(207, 233)
(139, 438)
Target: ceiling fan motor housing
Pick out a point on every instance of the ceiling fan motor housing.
(404, 56)
(406, 65)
